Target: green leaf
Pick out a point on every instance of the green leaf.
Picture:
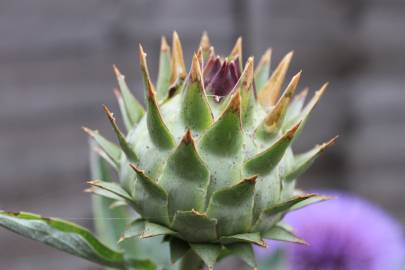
(264, 162)
(134, 229)
(273, 214)
(185, 171)
(274, 120)
(110, 190)
(124, 113)
(310, 201)
(294, 109)
(125, 145)
(152, 229)
(309, 108)
(270, 91)
(178, 248)
(110, 149)
(68, 237)
(251, 238)
(158, 131)
(243, 251)
(280, 232)
(109, 223)
(209, 253)
(195, 226)
(196, 111)
(221, 145)
(263, 70)
(164, 70)
(233, 207)
(150, 200)
(132, 106)
(144, 229)
(303, 161)
(245, 88)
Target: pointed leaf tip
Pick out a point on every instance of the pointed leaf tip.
(164, 46)
(303, 161)
(195, 73)
(282, 233)
(117, 72)
(129, 106)
(247, 74)
(136, 169)
(195, 109)
(188, 138)
(275, 119)
(178, 66)
(144, 68)
(265, 161)
(125, 146)
(150, 199)
(266, 58)
(270, 92)
(205, 43)
(237, 50)
(328, 144)
(234, 104)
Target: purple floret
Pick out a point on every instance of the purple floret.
(347, 233)
(221, 75)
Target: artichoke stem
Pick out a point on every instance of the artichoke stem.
(191, 261)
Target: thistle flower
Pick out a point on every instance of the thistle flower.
(208, 165)
(348, 233)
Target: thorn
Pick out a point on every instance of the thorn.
(275, 117)
(93, 182)
(109, 114)
(271, 89)
(150, 89)
(197, 213)
(234, 105)
(117, 93)
(122, 238)
(136, 169)
(143, 63)
(291, 132)
(90, 190)
(89, 132)
(266, 58)
(250, 180)
(178, 67)
(303, 94)
(328, 144)
(117, 72)
(205, 41)
(262, 244)
(237, 49)
(200, 56)
(188, 138)
(164, 46)
(212, 52)
(195, 73)
(247, 74)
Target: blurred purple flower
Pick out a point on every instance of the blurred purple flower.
(347, 233)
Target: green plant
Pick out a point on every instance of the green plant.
(208, 167)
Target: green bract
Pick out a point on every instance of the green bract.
(208, 165)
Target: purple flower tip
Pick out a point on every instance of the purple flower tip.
(221, 75)
(347, 233)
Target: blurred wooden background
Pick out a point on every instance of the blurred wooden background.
(55, 72)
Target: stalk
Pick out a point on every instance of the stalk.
(191, 261)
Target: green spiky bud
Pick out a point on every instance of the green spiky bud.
(209, 165)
